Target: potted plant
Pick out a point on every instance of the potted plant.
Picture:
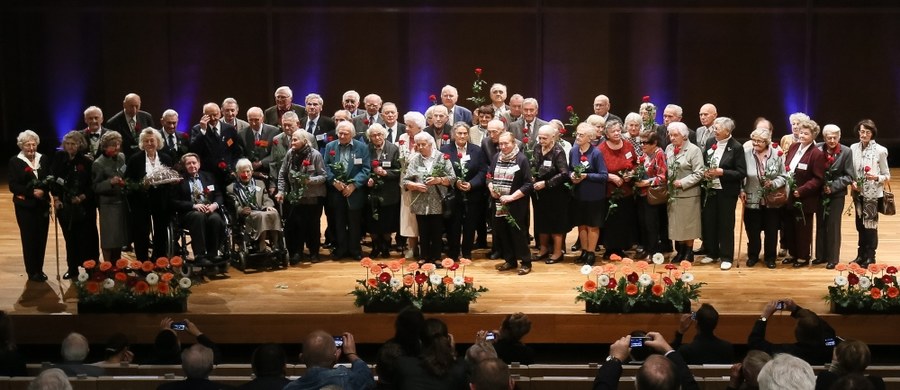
(864, 290)
(131, 286)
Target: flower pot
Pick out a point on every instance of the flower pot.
(384, 307)
(639, 307)
(445, 307)
(837, 309)
(173, 305)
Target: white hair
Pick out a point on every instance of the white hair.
(679, 127)
(415, 117)
(786, 372)
(51, 379)
(229, 100)
(290, 115)
(74, 348)
(348, 125)
(286, 90)
(633, 117)
(678, 110)
(423, 136)
(831, 129)
(93, 108)
(531, 101)
(314, 96)
(26, 136)
(762, 132)
(375, 128)
(149, 132)
(798, 117)
(724, 122)
(351, 93)
(243, 163)
(171, 112)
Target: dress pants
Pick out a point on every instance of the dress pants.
(431, 230)
(347, 226)
(718, 225)
(513, 243)
(766, 221)
(207, 232)
(797, 233)
(828, 231)
(33, 225)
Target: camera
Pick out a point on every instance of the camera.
(829, 342)
(490, 336)
(637, 342)
(779, 305)
(179, 326)
(339, 341)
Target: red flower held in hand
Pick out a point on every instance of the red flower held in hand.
(715, 146)
(489, 177)
(258, 143)
(28, 169)
(445, 137)
(780, 153)
(642, 159)
(570, 109)
(583, 158)
(432, 98)
(774, 145)
(366, 122)
(525, 139)
(375, 163)
(562, 131)
(306, 163)
(459, 155)
(478, 71)
(446, 156)
(646, 99)
(787, 168)
(677, 150)
(401, 142)
(332, 153)
(867, 169)
(275, 142)
(222, 165)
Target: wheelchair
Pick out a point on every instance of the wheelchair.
(179, 244)
(245, 251)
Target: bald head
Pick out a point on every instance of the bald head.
(657, 372)
(708, 114)
(319, 349)
(131, 104)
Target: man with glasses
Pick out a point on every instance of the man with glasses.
(283, 103)
(369, 117)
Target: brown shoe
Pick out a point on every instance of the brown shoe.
(505, 266)
(525, 270)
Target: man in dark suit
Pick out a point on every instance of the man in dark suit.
(449, 97)
(175, 144)
(347, 191)
(350, 103)
(197, 363)
(530, 123)
(726, 168)
(129, 122)
(217, 144)
(515, 110)
(371, 116)
(393, 128)
(283, 103)
(810, 333)
(665, 369)
(440, 127)
(198, 199)
(472, 189)
(601, 108)
(498, 100)
(706, 348)
(320, 126)
(229, 115)
(257, 138)
(93, 118)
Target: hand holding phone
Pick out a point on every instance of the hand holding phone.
(779, 305)
(339, 341)
(490, 336)
(637, 342)
(179, 326)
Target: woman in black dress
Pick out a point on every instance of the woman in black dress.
(551, 173)
(75, 202)
(150, 203)
(27, 171)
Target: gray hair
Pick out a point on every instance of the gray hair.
(498, 85)
(76, 137)
(375, 128)
(254, 109)
(230, 100)
(351, 93)
(798, 116)
(595, 120)
(588, 127)
(415, 117)
(51, 379)
(439, 107)
(74, 348)
(171, 112)
(243, 163)
(197, 361)
(423, 136)
(290, 115)
(429, 111)
(678, 110)
(348, 125)
(552, 128)
(26, 136)
(831, 129)
(109, 137)
(450, 88)
(811, 125)
(633, 117)
(762, 132)
(93, 108)
(612, 124)
(786, 372)
(314, 96)
(286, 90)
(679, 127)
(304, 136)
(724, 122)
(531, 101)
(149, 132)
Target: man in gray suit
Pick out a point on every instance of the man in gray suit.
(530, 123)
(258, 137)
(229, 115)
(498, 100)
(350, 102)
(708, 114)
(449, 96)
(371, 116)
(515, 110)
(601, 108)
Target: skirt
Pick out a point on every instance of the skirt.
(408, 225)
(262, 221)
(113, 225)
(547, 218)
(684, 219)
(587, 212)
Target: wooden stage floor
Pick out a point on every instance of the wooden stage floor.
(281, 306)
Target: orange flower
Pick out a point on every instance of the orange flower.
(162, 262)
(874, 268)
(597, 270)
(615, 257)
(105, 266)
(841, 267)
(627, 261)
(854, 266)
(408, 280)
(120, 276)
(147, 266)
(626, 270)
(686, 265)
(657, 290)
(447, 263)
(860, 271)
(372, 282)
(893, 292)
(176, 261)
(875, 292)
(121, 263)
(631, 289)
(468, 280)
(375, 269)
(447, 280)
(642, 265)
(412, 267)
(365, 262)
(590, 286)
(428, 267)
(465, 261)
(167, 276)
(609, 268)
(134, 264)
(141, 286)
(90, 264)
(395, 266)
(92, 286)
(676, 274)
(163, 287)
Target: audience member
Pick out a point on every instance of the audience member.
(197, 363)
(851, 357)
(786, 372)
(491, 374)
(810, 333)
(664, 370)
(117, 351)
(482, 349)
(268, 364)
(706, 348)
(854, 382)
(74, 350)
(51, 379)
(436, 367)
(11, 361)
(410, 323)
(509, 344)
(167, 346)
(320, 353)
(743, 375)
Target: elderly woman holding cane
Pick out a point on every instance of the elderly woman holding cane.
(75, 202)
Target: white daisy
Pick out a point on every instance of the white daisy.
(83, 277)
(458, 280)
(603, 280)
(645, 280)
(840, 280)
(865, 282)
(152, 279)
(396, 283)
(658, 258)
(109, 283)
(184, 282)
(586, 269)
(687, 277)
(435, 279)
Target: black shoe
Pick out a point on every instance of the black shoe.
(551, 260)
(666, 246)
(582, 257)
(819, 261)
(314, 258)
(375, 253)
(70, 275)
(590, 259)
(858, 260)
(38, 277)
(867, 262)
(801, 263)
(328, 245)
(830, 265)
(641, 255)
(770, 264)
(575, 247)
(295, 259)
(505, 266)
(679, 253)
(689, 256)
(789, 260)
(494, 255)
(752, 262)
(543, 257)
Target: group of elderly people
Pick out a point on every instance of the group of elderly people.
(623, 184)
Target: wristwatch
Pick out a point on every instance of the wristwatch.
(613, 358)
(762, 318)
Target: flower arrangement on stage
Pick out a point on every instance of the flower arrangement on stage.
(398, 282)
(872, 289)
(638, 285)
(132, 283)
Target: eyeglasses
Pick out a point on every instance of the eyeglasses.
(646, 143)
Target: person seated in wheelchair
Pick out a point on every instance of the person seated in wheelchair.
(197, 201)
(254, 207)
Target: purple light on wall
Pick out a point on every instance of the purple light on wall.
(185, 87)
(788, 63)
(67, 77)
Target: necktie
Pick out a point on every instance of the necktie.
(527, 129)
(371, 120)
(311, 127)
(215, 133)
(256, 135)
(390, 137)
(172, 141)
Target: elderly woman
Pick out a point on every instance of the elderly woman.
(685, 170)
(510, 185)
(148, 203)
(107, 175)
(483, 115)
(409, 230)
(789, 139)
(620, 159)
(301, 181)
(726, 167)
(632, 126)
(384, 191)
(471, 200)
(551, 174)
(839, 174)
(75, 203)
(806, 164)
(765, 174)
(655, 168)
(589, 177)
(27, 170)
(254, 206)
(428, 176)
(599, 128)
(870, 165)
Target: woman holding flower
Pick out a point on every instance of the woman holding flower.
(107, 172)
(428, 176)
(620, 159)
(551, 174)
(147, 202)
(509, 186)
(589, 177)
(254, 206)
(870, 164)
(765, 175)
(31, 201)
(75, 203)
(384, 191)
(839, 174)
(470, 167)
(632, 132)
(685, 170)
(725, 170)
(806, 165)
(409, 230)
(301, 181)
(655, 168)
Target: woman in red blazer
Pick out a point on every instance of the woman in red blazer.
(806, 165)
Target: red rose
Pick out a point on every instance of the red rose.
(306, 163)
(774, 145)
(887, 279)
(787, 168)
(852, 279)
(366, 122)
(642, 159)
(421, 278)
(646, 99)
(330, 138)
(28, 169)
(830, 160)
(570, 109)
(489, 177)
(384, 277)
(258, 143)
(891, 270)
(432, 98)
(780, 153)
(632, 277)
(715, 146)
(445, 137)
(677, 150)
(446, 156)
(401, 142)
(332, 153)
(583, 158)
(612, 284)
(222, 165)
(205, 190)
(562, 131)
(275, 142)
(478, 71)
(375, 163)
(459, 155)
(867, 169)
(667, 280)
(525, 139)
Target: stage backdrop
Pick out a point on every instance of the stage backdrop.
(839, 61)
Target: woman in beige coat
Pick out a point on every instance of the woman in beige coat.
(685, 172)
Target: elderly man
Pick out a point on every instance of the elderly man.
(257, 137)
(786, 372)
(129, 122)
(440, 128)
(197, 363)
(319, 126)
(665, 369)
(350, 103)
(515, 109)
(498, 100)
(93, 118)
(601, 108)
(197, 199)
(371, 116)
(449, 96)
(229, 114)
(175, 144)
(491, 374)
(279, 146)
(217, 144)
(284, 102)
(529, 124)
(708, 114)
(347, 167)
(392, 127)
(726, 168)
(74, 350)
(320, 354)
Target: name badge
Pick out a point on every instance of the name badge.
(585, 163)
(320, 137)
(357, 161)
(628, 155)
(548, 163)
(211, 187)
(466, 158)
(386, 164)
(514, 169)
(710, 151)
(802, 166)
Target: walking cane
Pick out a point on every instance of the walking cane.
(740, 235)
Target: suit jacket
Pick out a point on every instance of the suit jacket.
(278, 148)
(180, 148)
(813, 354)
(733, 164)
(690, 168)
(518, 129)
(462, 114)
(357, 172)
(840, 172)
(22, 182)
(704, 349)
(701, 135)
(439, 135)
(272, 118)
(183, 199)
(390, 162)
(609, 373)
(89, 150)
(130, 140)
(155, 198)
(239, 124)
(399, 129)
(324, 131)
(254, 151)
(808, 176)
(227, 148)
(476, 165)
(359, 123)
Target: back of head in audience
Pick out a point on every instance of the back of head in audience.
(852, 357)
(809, 328)
(437, 352)
(479, 352)
(115, 346)
(707, 319)
(166, 347)
(50, 379)
(640, 354)
(7, 339)
(515, 326)
(386, 363)
(75, 348)
(491, 374)
(753, 362)
(407, 330)
(786, 372)
(268, 360)
(197, 362)
(853, 382)
(657, 373)
(319, 350)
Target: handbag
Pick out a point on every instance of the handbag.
(657, 195)
(886, 206)
(448, 201)
(777, 198)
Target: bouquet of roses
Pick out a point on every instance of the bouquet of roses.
(398, 282)
(873, 288)
(132, 282)
(339, 170)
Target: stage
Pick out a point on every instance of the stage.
(283, 305)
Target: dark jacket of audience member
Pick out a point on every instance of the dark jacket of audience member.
(408, 327)
(268, 364)
(706, 348)
(609, 373)
(436, 367)
(851, 357)
(509, 346)
(811, 332)
(11, 361)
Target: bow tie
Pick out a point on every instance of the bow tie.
(94, 135)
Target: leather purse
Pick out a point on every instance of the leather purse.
(886, 206)
(657, 195)
(777, 198)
